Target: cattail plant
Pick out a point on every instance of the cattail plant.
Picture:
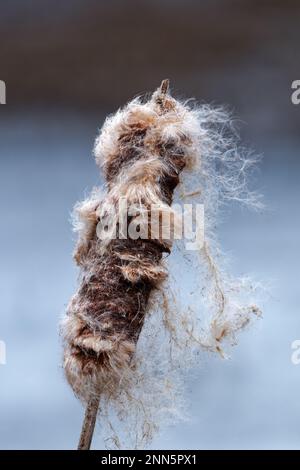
(125, 337)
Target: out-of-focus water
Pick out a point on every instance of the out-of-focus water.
(250, 401)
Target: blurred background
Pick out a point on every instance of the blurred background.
(66, 65)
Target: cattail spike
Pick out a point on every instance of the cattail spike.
(143, 149)
(161, 96)
(164, 87)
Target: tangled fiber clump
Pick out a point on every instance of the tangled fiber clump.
(126, 337)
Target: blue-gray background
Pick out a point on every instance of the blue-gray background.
(68, 64)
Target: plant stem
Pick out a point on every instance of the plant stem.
(89, 422)
(164, 87)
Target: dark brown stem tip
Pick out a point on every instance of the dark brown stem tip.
(164, 87)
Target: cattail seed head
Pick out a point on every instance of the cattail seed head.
(143, 151)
